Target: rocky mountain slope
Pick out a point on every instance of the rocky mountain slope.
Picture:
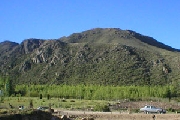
(107, 56)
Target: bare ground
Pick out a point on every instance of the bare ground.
(140, 117)
(78, 115)
(125, 115)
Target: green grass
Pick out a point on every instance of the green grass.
(55, 102)
(77, 104)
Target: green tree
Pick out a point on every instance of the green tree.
(6, 85)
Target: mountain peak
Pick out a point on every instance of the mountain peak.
(114, 35)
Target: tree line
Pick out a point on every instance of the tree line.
(91, 92)
(97, 92)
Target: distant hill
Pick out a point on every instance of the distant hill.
(105, 56)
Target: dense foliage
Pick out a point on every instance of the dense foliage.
(97, 92)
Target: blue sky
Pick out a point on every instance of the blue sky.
(52, 19)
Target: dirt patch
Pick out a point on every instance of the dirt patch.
(139, 117)
(78, 115)
(139, 104)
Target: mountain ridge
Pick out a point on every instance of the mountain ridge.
(123, 34)
(98, 56)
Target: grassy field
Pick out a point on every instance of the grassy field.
(77, 105)
(84, 105)
(55, 103)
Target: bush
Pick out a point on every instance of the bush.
(18, 95)
(178, 111)
(72, 100)
(2, 99)
(63, 100)
(135, 110)
(3, 112)
(48, 96)
(171, 110)
(40, 96)
(104, 108)
(34, 94)
(67, 106)
(31, 104)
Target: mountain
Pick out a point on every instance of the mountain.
(108, 56)
(124, 37)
